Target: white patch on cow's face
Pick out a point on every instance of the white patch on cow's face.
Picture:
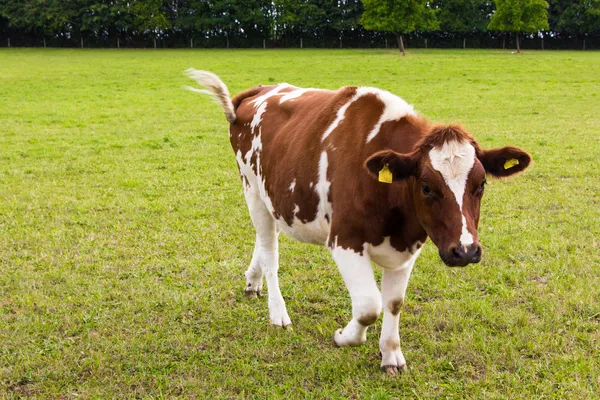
(395, 108)
(454, 161)
(292, 185)
(297, 93)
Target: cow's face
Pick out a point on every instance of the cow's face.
(448, 180)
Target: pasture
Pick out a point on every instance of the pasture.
(124, 234)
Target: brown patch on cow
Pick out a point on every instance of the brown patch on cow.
(395, 306)
(238, 98)
(440, 134)
(391, 344)
(368, 319)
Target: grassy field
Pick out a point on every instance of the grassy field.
(124, 234)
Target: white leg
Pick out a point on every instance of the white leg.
(254, 274)
(393, 290)
(357, 272)
(266, 254)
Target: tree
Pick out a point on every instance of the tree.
(106, 19)
(464, 16)
(150, 17)
(518, 16)
(576, 17)
(398, 17)
(346, 17)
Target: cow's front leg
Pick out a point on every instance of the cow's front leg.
(393, 290)
(357, 272)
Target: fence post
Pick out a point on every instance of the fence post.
(425, 43)
(8, 42)
(300, 42)
(191, 43)
(583, 44)
(386, 43)
(264, 44)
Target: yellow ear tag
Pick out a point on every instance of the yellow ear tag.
(511, 163)
(385, 175)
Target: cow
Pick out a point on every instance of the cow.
(360, 171)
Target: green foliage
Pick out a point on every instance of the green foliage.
(149, 16)
(575, 16)
(398, 16)
(520, 16)
(124, 234)
(464, 16)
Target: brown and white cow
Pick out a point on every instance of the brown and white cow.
(357, 170)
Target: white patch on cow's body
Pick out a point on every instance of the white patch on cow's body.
(261, 99)
(387, 256)
(454, 161)
(394, 108)
(317, 230)
(260, 103)
(292, 185)
(257, 118)
(366, 300)
(297, 93)
(296, 209)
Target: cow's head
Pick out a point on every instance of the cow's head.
(447, 175)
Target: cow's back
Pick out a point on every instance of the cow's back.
(303, 150)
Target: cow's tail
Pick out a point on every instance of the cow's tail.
(216, 88)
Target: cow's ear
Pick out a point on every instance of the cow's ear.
(388, 166)
(505, 161)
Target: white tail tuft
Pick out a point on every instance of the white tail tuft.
(216, 88)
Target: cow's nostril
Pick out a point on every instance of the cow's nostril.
(477, 252)
(457, 252)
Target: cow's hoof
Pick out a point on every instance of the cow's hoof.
(393, 370)
(342, 340)
(282, 322)
(278, 314)
(252, 294)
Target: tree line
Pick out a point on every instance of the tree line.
(296, 23)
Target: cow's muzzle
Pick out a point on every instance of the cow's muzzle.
(459, 256)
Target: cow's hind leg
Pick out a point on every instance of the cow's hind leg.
(265, 260)
(358, 275)
(254, 274)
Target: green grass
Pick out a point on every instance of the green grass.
(124, 234)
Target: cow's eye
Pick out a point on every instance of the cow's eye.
(481, 188)
(426, 189)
